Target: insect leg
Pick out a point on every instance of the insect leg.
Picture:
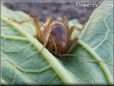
(65, 20)
(72, 44)
(53, 43)
(51, 46)
(47, 29)
(37, 26)
(47, 33)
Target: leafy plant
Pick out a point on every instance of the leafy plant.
(23, 63)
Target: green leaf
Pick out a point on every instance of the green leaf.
(18, 16)
(90, 63)
(75, 33)
(24, 63)
(93, 58)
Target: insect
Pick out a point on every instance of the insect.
(55, 35)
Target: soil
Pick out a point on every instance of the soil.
(56, 10)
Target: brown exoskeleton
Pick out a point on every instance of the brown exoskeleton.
(56, 35)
